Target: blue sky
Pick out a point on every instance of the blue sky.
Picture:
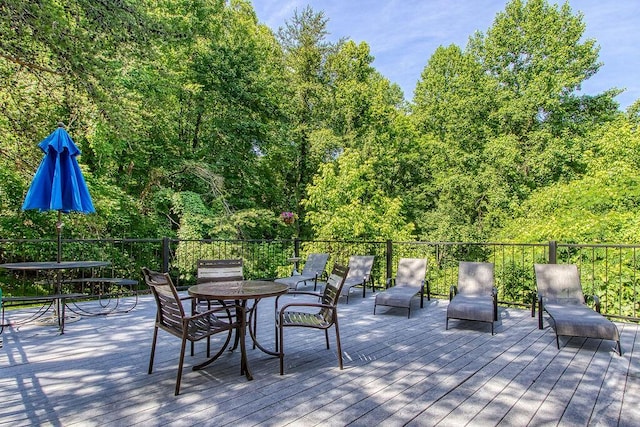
(403, 34)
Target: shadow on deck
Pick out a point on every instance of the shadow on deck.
(397, 371)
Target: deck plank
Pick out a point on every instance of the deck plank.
(398, 371)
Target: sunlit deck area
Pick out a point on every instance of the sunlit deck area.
(397, 371)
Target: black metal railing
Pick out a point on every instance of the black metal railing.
(610, 271)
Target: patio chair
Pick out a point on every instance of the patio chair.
(359, 274)
(475, 297)
(312, 271)
(301, 314)
(408, 283)
(171, 318)
(217, 270)
(560, 295)
(220, 270)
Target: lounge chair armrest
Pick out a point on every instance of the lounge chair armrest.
(390, 282)
(540, 309)
(453, 291)
(596, 302)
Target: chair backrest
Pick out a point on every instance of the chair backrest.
(315, 265)
(411, 272)
(220, 270)
(475, 278)
(360, 268)
(170, 309)
(559, 282)
(332, 289)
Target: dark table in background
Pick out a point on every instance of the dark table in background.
(52, 266)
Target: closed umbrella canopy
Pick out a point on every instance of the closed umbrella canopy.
(58, 183)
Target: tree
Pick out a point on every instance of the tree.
(600, 206)
(303, 40)
(503, 118)
(355, 194)
(345, 202)
(451, 108)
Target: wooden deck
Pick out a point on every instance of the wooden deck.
(398, 371)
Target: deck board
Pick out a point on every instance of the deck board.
(398, 371)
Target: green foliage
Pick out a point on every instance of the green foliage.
(502, 119)
(344, 202)
(595, 207)
(196, 121)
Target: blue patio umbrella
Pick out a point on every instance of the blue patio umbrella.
(58, 184)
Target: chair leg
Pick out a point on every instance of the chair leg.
(153, 349)
(558, 341)
(338, 344)
(540, 325)
(281, 351)
(180, 364)
(446, 324)
(255, 322)
(326, 337)
(619, 349)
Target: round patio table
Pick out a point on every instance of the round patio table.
(240, 291)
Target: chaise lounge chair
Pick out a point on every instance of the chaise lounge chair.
(313, 269)
(408, 283)
(359, 274)
(560, 295)
(475, 297)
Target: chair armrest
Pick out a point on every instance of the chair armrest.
(596, 302)
(313, 294)
(540, 309)
(533, 304)
(306, 304)
(453, 291)
(217, 309)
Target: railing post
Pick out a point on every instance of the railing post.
(296, 247)
(165, 254)
(553, 251)
(389, 260)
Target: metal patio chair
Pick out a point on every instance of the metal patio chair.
(359, 274)
(475, 297)
(171, 318)
(313, 269)
(560, 295)
(302, 314)
(408, 284)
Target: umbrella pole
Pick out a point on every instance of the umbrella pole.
(59, 232)
(59, 312)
